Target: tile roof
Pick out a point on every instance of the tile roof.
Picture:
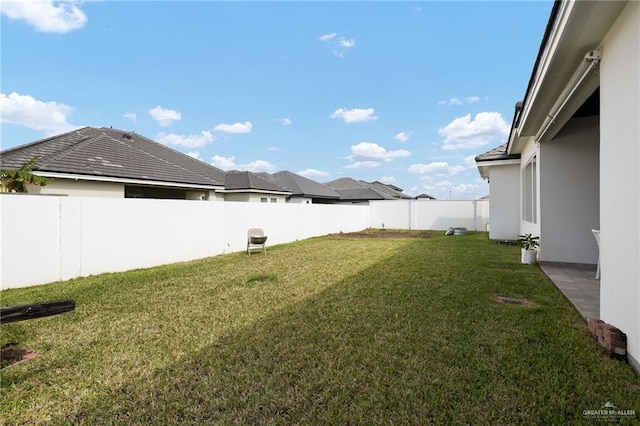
(389, 191)
(497, 153)
(302, 186)
(243, 180)
(383, 191)
(424, 196)
(106, 152)
(344, 183)
(359, 194)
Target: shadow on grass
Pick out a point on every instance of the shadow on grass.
(416, 339)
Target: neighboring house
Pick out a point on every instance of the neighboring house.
(577, 133)
(105, 162)
(250, 187)
(361, 192)
(303, 190)
(502, 170)
(424, 197)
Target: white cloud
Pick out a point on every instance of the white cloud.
(339, 44)
(355, 115)
(284, 121)
(190, 141)
(470, 161)
(273, 148)
(46, 15)
(26, 111)
(347, 43)
(235, 127)
(224, 163)
(437, 168)
(458, 101)
(372, 152)
(443, 190)
(259, 166)
(363, 165)
(389, 180)
(131, 116)
(164, 117)
(194, 154)
(312, 172)
(229, 163)
(327, 37)
(402, 136)
(463, 132)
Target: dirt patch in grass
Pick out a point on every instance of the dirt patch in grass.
(11, 354)
(514, 301)
(384, 233)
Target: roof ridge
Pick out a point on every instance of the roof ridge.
(39, 141)
(72, 147)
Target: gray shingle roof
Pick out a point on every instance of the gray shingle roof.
(243, 180)
(112, 153)
(383, 191)
(302, 186)
(424, 196)
(344, 183)
(497, 153)
(359, 194)
(388, 191)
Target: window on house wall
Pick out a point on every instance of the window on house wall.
(274, 200)
(263, 199)
(529, 193)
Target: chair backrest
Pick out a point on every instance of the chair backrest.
(255, 232)
(596, 233)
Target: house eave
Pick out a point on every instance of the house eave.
(95, 178)
(578, 28)
(253, 191)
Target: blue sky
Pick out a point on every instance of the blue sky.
(401, 92)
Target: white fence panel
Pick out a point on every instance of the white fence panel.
(50, 238)
(278, 221)
(122, 234)
(30, 240)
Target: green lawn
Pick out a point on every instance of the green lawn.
(330, 330)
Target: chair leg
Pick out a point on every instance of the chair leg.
(598, 270)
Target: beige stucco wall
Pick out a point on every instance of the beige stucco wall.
(253, 197)
(80, 188)
(620, 176)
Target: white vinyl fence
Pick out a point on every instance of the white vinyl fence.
(51, 238)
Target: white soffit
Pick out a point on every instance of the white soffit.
(580, 27)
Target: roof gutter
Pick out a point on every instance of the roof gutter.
(545, 40)
(125, 180)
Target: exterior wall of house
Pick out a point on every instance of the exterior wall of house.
(296, 199)
(569, 193)
(80, 188)
(252, 197)
(504, 184)
(620, 177)
(198, 195)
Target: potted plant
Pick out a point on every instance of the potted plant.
(529, 246)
